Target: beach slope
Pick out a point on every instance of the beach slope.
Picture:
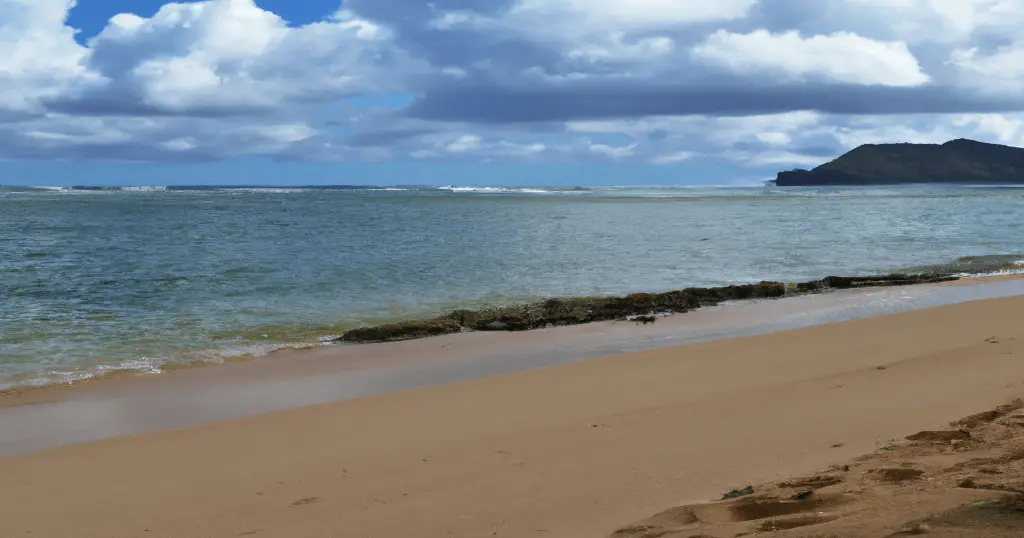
(576, 450)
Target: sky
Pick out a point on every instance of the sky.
(492, 92)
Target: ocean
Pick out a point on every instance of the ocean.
(98, 281)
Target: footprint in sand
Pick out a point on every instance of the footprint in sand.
(769, 514)
(897, 475)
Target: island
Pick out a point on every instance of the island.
(959, 161)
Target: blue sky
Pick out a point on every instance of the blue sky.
(475, 92)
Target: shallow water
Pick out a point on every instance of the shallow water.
(93, 281)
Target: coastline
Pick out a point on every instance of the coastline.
(293, 378)
(576, 449)
(515, 317)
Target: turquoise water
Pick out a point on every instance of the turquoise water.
(93, 281)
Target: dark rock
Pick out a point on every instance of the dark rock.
(402, 331)
(958, 161)
(577, 310)
(803, 495)
(940, 436)
(807, 287)
(749, 490)
(979, 419)
(839, 282)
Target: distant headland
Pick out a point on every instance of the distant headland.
(959, 161)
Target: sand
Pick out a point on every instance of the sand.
(577, 450)
(960, 482)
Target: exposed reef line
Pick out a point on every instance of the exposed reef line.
(578, 310)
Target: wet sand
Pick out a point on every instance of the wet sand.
(574, 448)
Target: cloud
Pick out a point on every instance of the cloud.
(40, 59)
(229, 57)
(617, 48)
(463, 143)
(568, 20)
(999, 72)
(753, 83)
(148, 140)
(840, 57)
(240, 78)
(674, 158)
(949, 21)
(616, 99)
(615, 153)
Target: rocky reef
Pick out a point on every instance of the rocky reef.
(958, 161)
(577, 310)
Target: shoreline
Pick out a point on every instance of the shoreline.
(685, 300)
(576, 449)
(41, 393)
(569, 311)
(120, 405)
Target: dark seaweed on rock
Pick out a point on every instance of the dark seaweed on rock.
(845, 282)
(578, 310)
(406, 330)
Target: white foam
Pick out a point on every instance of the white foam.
(1001, 272)
(153, 365)
(144, 188)
(497, 190)
(265, 190)
(142, 365)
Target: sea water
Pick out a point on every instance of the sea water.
(94, 281)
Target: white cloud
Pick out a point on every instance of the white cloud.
(246, 78)
(1005, 129)
(512, 149)
(232, 54)
(616, 153)
(616, 47)
(840, 57)
(218, 79)
(674, 158)
(629, 14)
(774, 138)
(599, 30)
(939, 20)
(1002, 71)
(40, 57)
(149, 139)
(589, 16)
(180, 144)
(719, 131)
(464, 143)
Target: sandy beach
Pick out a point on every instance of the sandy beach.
(579, 449)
